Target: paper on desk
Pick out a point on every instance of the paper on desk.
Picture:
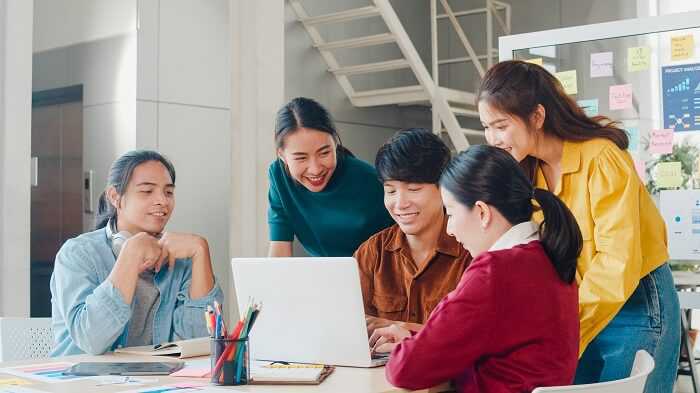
(103, 380)
(44, 372)
(184, 387)
(13, 381)
(18, 389)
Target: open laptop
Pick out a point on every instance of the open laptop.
(312, 310)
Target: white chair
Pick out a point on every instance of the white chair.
(643, 365)
(25, 338)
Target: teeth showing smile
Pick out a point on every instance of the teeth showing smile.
(159, 214)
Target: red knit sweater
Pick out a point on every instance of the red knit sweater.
(511, 325)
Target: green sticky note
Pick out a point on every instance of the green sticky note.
(568, 81)
(638, 58)
(669, 174)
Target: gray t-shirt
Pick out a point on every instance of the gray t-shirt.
(144, 306)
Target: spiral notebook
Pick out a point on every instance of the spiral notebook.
(273, 373)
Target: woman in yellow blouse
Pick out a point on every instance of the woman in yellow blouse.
(627, 299)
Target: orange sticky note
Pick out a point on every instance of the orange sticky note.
(682, 47)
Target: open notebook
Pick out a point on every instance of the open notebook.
(267, 373)
(179, 349)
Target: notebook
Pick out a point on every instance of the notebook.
(271, 373)
(179, 349)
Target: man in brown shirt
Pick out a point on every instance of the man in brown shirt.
(406, 269)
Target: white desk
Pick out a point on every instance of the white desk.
(343, 379)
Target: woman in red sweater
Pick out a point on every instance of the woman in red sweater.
(511, 325)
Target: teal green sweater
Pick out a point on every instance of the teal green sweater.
(332, 222)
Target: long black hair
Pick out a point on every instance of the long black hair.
(302, 112)
(491, 175)
(518, 87)
(119, 176)
(413, 155)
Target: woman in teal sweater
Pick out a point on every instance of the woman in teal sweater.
(319, 192)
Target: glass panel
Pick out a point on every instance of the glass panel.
(650, 83)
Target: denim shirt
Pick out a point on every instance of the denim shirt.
(89, 315)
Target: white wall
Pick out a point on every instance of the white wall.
(69, 22)
(182, 110)
(107, 70)
(15, 144)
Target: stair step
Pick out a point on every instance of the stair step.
(467, 131)
(390, 96)
(372, 67)
(360, 42)
(458, 96)
(343, 16)
(464, 112)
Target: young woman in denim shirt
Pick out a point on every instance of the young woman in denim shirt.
(128, 282)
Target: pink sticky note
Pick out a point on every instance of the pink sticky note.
(620, 97)
(661, 141)
(641, 167)
(193, 372)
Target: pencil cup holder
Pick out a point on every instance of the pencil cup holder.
(230, 363)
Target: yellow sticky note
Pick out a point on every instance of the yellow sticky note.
(537, 60)
(682, 47)
(638, 58)
(669, 174)
(568, 80)
(13, 381)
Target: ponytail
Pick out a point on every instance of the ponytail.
(105, 211)
(559, 234)
(491, 175)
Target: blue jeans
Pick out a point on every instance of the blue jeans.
(649, 320)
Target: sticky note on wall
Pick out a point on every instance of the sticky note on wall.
(601, 64)
(537, 60)
(682, 47)
(661, 141)
(668, 174)
(589, 106)
(620, 97)
(641, 168)
(568, 81)
(633, 134)
(638, 58)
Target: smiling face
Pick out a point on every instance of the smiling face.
(507, 132)
(310, 156)
(148, 200)
(416, 207)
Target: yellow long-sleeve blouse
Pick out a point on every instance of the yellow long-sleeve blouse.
(624, 236)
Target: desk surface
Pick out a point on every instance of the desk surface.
(344, 379)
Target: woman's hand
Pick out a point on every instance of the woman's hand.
(385, 339)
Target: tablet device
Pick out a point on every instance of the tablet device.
(132, 368)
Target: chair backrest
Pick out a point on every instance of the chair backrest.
(643, 365)
(25, 338)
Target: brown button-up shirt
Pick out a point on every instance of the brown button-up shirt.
(395, 287)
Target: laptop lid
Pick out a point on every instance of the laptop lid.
(312, 309)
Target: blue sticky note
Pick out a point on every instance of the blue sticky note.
(633, 133)
(589, 106)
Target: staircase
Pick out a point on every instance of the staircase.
(447, 104)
